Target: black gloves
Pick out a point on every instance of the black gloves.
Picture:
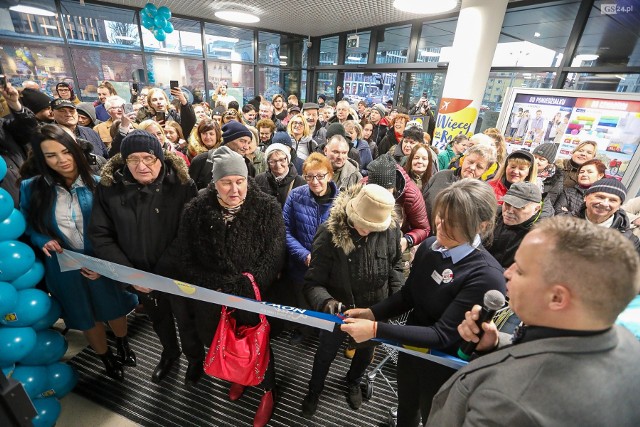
(333, 307)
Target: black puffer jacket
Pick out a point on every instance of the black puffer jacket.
(570, 200)
(280, 190)
(341, 258)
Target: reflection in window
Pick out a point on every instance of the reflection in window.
(414, 86)
(329, 50)
(185, 38)
(229, 43)
(373, 88)
(30, 26)
(269, 81)
(603, 82)
(358, 54)
(238, 77)
(269, 48)
(46, 65)
(93, 66)
(188, 72)
(95, 25)
(291, 83)
(392, 45)
(436, 39)
(326, 84)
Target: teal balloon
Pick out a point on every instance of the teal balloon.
(150, 9)
(31, 278)
(35, 379)
(159, 34)
(8, 297)
(15, 343)
(62, 379)
(6, 204)
(13, 226)
(52, 316)
(3, 168)
(168, 28)
(160, 22)
(165, 12)
(147, 21)
(32, 305)
(8, 369)
(50, 347)
(16, 258)
(48, 412)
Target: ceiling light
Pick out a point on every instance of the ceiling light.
(237, 16)
(51, 27)
(425, 7)
(31, 10)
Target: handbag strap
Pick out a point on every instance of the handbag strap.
(255, 286)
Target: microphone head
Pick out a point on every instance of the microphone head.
(494, 300)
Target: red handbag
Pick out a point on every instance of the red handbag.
(239, 354)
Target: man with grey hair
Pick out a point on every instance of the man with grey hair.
(115, 108)
(342, 113)
(569, 282)
(345, 170)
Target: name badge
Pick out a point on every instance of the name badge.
(436, 277)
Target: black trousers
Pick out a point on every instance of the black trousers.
(327, 350)
(418, 382)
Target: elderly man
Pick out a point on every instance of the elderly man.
(317, 131)
(135, 218)
(115, 108)
(520, 211)
(345, 170)
(282, 176)
(66, 115)
(568, 294)
(342, 113)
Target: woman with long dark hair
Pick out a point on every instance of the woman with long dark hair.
(57, 203)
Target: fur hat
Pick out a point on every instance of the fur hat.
(34, 100)
(371, 208)
(609, 186)
(88, 110)
(286, 150)
(547, 150)
(234, 130)
(141, 141)
(227, 162)
(382, 172)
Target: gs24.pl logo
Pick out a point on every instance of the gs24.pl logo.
(615, 8)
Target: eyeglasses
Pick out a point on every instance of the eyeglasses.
(147, 161)
(296, 123)
(282, 161)
(319, 177)
(231, 112)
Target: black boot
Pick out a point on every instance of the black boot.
(112, 366)
(126, 356)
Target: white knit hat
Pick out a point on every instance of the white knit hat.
(286, 150)
(371, 208)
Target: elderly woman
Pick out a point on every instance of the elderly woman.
(455, 148)
(57, 204)
(281, 176)
(394, 134)
(519, 166)
(572, 198)
(355, 262)
(207, 136)
(450, 274)
(231, 228)
(410, 138)
(586, 150)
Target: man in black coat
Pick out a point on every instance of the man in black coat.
(136, 212)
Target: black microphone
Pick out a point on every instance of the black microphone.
(493, 301)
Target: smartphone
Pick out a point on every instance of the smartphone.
(174, 84)
(134, 86)
(128, 108)
(160, 116)
(3, 82)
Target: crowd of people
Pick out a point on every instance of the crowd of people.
(341, 209)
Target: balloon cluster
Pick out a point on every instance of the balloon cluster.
(29, 350)
(156, 20)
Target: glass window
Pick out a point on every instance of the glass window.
(268, 48)
(235, 44)
(238, 77)
(326, 84)
(29, 26)
(292, 51)
(188, 72)
(373, 88)
(291, 83)
(47, 65)
(269, 82)
(359, 53)
(185, 38)
(303, 87)
(392, 45)
(603, 82)
(436, 39)
(535, 36)
(329, 50)
(610, 38)
(95, 25)
(94, 66)
(414, 86)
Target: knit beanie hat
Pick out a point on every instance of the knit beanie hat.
(141, 141)
(227, 162)
(281, 137)
(609, 186)
(286, 150)
(87, 109)
(234, 130)
(547, 150)
(371, 208)
(336, 129)
(34, 100)
(382, 172)
(380, 108)
(323, 97)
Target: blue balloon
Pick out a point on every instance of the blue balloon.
(48, 412)
(147, 21)
(6, 204)
(150, 9)
(159, 34)
(160, 22)
(16, 258)
(31, 278)
(15, 343)
(8, 297)
(8, 370)
(3, 166)
(13, 226)
(35, 379)
(50, 318)
(168, 28)
(50, 347)
(33, 305)
(165, 12)
(62, 379)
